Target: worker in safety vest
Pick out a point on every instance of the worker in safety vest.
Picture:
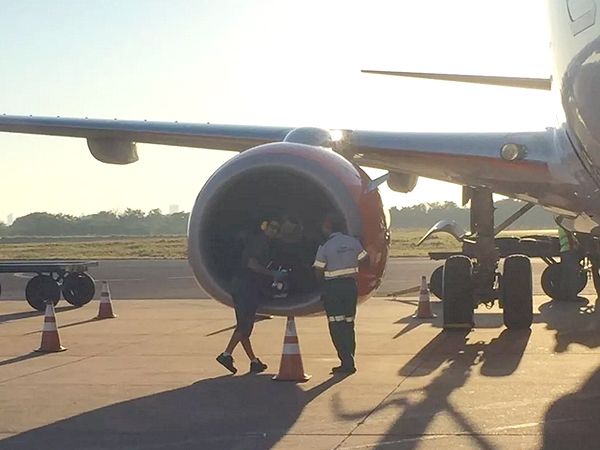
(569, 265)
(337, 261)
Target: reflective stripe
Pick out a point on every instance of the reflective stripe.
(49, 327)
(291, 349)
(362, 255)
(341, 272)
(340, 318)
(319, 264)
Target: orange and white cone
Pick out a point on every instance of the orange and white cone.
(424, 307)
(50, 339)
(105, 311)
(291, 368)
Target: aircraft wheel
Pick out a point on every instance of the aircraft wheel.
(41, 288)
(517, 289)
(436, 285)
(457, 282)
(78, 288)
(551, 280)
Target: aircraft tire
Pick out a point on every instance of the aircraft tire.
(551, 279)
(78, 288)
(517, 290)
(436, 285)
(458, 293)
(41, 288)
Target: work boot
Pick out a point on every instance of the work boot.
(257, 366)
(227, 362)
(343, 370)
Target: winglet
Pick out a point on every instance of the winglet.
(526, 83)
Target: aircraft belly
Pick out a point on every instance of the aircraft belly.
(561, 183)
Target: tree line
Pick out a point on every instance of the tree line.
(104, 223)
(136, 222)
(425, 215)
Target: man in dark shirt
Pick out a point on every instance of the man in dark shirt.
(248, 292)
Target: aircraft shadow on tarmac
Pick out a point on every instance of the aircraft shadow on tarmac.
(500, 357)
(571, 422)
(242, 412)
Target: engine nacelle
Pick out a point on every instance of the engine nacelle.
(274, 180)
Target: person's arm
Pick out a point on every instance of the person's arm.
(320, 263)
(255, 266)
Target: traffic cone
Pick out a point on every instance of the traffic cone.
(50, 339)
(105, 311)
(424, 307)
(291, 368)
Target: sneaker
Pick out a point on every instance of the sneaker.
(345, 370)
(227, 362)
(257, 366)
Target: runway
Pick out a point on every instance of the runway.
(164, 279)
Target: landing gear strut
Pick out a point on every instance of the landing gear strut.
(468, 282)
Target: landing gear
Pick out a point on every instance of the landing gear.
(40, 289)
(436, 282)
(551, 280)
(517, 292)
(78, 288)
(473, 277)
(458, 293)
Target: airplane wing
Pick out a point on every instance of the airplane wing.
(464, 158)
(113, 141)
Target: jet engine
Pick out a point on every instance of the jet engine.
(277, 180)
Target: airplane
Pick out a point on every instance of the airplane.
(317, 170)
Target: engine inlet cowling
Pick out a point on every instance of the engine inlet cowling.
(276, 180)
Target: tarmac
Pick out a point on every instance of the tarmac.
(148, 380)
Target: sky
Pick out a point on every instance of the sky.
(255, 62)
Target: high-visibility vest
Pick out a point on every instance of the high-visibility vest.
(565, 239)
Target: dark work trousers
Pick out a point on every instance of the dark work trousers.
(247, 297)
(339, 298)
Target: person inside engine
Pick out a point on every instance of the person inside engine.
(292, 252)
(248, 293)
